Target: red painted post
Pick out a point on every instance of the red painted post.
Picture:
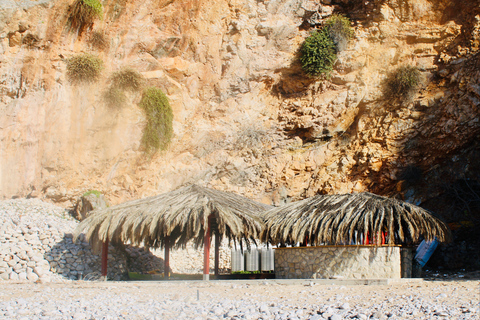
(166, 268)
(105, 258)
(206, 253)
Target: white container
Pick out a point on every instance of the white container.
(237, 260)
(267, 259)
(252, 260)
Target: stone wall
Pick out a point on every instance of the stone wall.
(36, 244)
(357, 262)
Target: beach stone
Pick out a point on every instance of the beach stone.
(336, 317)
(13, 276)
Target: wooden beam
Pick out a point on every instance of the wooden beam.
(206, 252)
(166, 267)
(105, 258)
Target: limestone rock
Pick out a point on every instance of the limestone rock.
(88, 203)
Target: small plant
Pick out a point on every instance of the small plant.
(339, 30)
(95, 192)
(318, 54)
(402, 83)
(98, 40)
(31, 40)
(84, 67)
(246, 272)
(83, 13)
(158, 131)
(114, 97)
(127, 79)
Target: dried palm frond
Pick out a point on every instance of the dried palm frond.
(181, 215)
(338, 219)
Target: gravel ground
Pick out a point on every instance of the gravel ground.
(456, 299)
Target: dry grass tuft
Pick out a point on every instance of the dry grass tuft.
(84, 67)
(127, 79)
(98, 41)
(114, 97)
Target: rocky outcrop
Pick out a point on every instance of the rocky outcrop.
(87, 203)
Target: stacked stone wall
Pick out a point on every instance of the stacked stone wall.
(350, 262)
(36, 245)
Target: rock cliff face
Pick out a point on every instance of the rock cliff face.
(246, 119)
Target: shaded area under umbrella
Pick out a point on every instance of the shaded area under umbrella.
(339, 219)
(173, 219)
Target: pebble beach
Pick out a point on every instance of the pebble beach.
(40, 267)
(258, 299)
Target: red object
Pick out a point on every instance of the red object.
(166, 268)
(104, 257)
(206, 251)
(366, 241)
(383, 237)
(305, 241)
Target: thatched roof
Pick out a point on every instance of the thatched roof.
(182, 215)
(333, 219)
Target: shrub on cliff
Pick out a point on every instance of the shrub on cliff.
(403, 83)
(339, 30)
(114, 97)
(127, 79)
(82, 14)
(98, 40)
(317, 54)
(84, 67)
(158, 131)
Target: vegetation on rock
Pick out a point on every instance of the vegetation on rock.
(127, 79)
(98, 40)
(114, 97)
(402, 83)
(339, 30)
(83, 13)
(318, 54)
(95, 192)
(158, 131)
(31, 40)
(84, 67)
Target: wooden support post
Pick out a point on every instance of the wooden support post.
(104, 258)
(217, 251)
(166, 267)
(206, 252)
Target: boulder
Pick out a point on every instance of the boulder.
(87, 203)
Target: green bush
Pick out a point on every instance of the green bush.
(317, 54)
(127, 79)
(114, 97)
(98, 40)
(158, 131)
(403, 83)
(339, 30)
(84, 67)
(83, 13)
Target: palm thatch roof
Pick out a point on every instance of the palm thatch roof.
(181, 215)
(338, 219)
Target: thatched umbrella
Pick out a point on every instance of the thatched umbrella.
(341, 219)
(174, 218)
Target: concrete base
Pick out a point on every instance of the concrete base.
(206, 277)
